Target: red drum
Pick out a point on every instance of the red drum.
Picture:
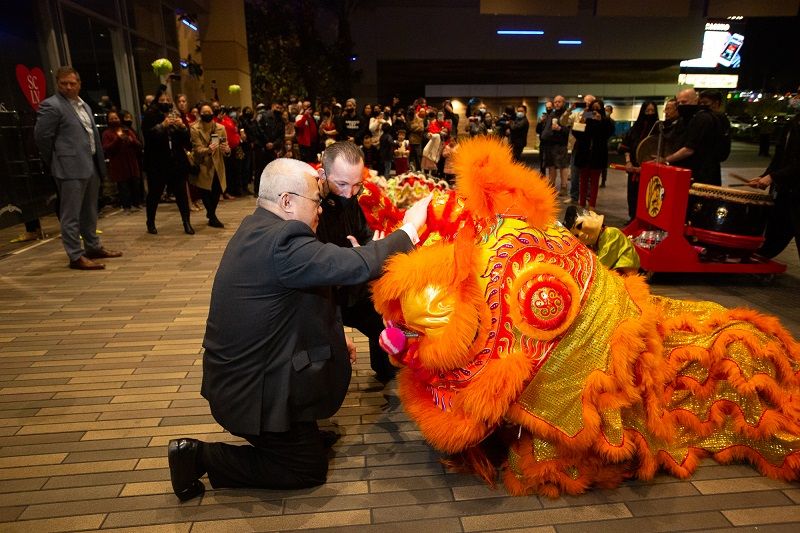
(726, 217)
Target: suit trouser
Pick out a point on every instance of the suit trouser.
(294, 459)
(363, 317)
(78, 214)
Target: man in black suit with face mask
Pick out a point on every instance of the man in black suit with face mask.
(343, 223)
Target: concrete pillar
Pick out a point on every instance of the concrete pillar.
(225, 59)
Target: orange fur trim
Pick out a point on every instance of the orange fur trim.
(498, 384)
(447, 431)
(450, 347)
(492, 183)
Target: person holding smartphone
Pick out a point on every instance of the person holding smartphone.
(209, 148)
(166, 141)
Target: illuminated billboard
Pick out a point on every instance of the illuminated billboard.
(722, 46)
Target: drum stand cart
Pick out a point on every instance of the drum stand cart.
(662, 237)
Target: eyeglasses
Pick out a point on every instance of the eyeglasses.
(317, 201)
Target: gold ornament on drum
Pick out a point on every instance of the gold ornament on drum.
(655, 196)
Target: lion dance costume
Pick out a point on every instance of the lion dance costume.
(527, 358)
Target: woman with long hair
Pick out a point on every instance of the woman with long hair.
(166, 140)
(591, 152)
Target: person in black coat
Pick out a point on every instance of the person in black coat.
(166, 141)
(276, 359)
(783, 175)
(519, 127)
(648, 116)
(591, 151)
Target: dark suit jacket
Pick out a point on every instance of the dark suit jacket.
(275, 351)
(63, 143)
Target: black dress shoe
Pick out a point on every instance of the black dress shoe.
(182, 455)
(329, 438)
(151, 228)
(187, 228)
(215, 223)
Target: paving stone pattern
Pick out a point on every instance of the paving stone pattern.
(101, 369)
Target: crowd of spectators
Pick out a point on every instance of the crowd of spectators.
(394, 138)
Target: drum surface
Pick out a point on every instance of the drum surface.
(716, 212)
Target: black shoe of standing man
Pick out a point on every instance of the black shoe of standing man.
(185, 468)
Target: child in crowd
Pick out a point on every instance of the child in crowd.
(370, 154)
(401, 153)
(386, 150)
(449, 150)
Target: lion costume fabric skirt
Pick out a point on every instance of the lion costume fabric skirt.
(520, 341)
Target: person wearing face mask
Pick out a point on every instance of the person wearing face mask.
(232, 163)
(416, 130)
(166, 141)
(209, 147)
(783, 177)
(700, 138)
(122, 148)
(351, 126)
(247, 134)
(519, 131)
(342, 223)
(307, 132)
(648, 116)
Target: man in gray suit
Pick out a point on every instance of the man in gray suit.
(70, 147)
(276, 358)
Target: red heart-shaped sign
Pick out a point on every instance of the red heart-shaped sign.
(33, 85)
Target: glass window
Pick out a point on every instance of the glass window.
(90, 48)
(107, 8)
(144, 53)
(170, 30)
(144, 16)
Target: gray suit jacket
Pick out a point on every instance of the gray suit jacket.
(63, 144)
(275, 351)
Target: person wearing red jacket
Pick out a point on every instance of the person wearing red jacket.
(305, 127)
(233, 162)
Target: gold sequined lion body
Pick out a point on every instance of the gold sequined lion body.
(523, 343)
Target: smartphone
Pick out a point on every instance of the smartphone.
(580, 105)
(214, 139)
(730, 54)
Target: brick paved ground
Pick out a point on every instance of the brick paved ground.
(101, 369)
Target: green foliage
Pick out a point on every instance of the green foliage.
(288, 56)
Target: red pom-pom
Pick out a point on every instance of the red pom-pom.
(393, 341)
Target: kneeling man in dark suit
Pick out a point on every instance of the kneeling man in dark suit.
(276, 359)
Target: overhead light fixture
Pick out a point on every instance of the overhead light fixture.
(188, 22)
(570, 41)
(520, 32)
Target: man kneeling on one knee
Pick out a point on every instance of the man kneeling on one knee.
(276, 359)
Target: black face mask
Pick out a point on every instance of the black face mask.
(127, 123)
(164, 107)
(248, 116)
(687, 111)
(206, 118)
(341, 200)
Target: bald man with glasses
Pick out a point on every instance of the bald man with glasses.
(276, 359)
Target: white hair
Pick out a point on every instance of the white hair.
(284, 175)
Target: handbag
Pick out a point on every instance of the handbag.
(194, 168)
